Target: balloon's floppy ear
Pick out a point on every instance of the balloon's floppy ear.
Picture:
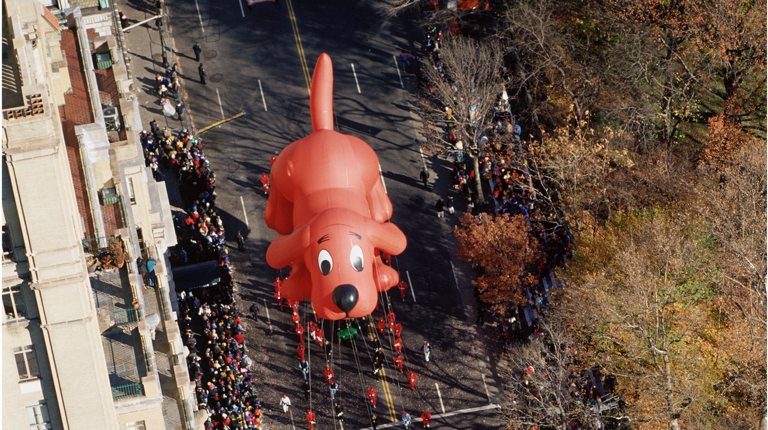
(285, 249)
(386, 236)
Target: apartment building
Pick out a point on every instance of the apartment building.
(87, 342)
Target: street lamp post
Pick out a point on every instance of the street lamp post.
(161, 27)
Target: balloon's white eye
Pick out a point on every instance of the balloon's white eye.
(356, 258)
(325, 262)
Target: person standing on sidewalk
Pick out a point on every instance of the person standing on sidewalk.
(240, 242)
(197, 51)
(439, 206)
(449, 204)
(201, 71)
(424, 176)
(179, 109)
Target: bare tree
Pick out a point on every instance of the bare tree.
(557, 67)
(648, 307)
(547, 379)
(733, 202)
(461, 95)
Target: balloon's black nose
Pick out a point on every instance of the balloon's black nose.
(345, 297)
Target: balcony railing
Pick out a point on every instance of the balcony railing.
(127, 391)
(97, 243)
(187, 420)
(126, 316)
(147, 355)
(166, 308)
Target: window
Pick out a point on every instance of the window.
(138, 425)
(131, 194)
(13, 302)
(37, 414)
(26, 362)
(7, 244)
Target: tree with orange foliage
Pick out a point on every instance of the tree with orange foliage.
(501, 246)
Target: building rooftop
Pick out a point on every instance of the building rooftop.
(77, 111)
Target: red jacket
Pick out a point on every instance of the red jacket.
(425, 417)
(371, 393)
(398, 344)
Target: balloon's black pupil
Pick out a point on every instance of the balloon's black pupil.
(325, 267)
(357, 264)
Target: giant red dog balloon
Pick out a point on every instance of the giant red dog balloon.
(329, 205)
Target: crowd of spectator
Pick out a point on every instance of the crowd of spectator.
(212, 331)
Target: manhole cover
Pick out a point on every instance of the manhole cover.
(232, 166)
(157, 57)
(217, 77)
(210, 54)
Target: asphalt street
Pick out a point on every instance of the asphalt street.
(260, 61)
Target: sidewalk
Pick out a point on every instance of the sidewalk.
(143, 47)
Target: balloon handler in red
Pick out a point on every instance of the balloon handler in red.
(372, 395)
(329, 206)
(412, 379)
(265, 183)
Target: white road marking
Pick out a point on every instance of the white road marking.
(356, 83)
(200, 17)
(263, 100)
(221, 109)
(434, 417)
(382, 179)
(411, 284)
(241, 7)
(486, 388)
(245, 215)
(440, 397)
(454, 276)
(398, 72)
(289, 409)
(268, 319)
